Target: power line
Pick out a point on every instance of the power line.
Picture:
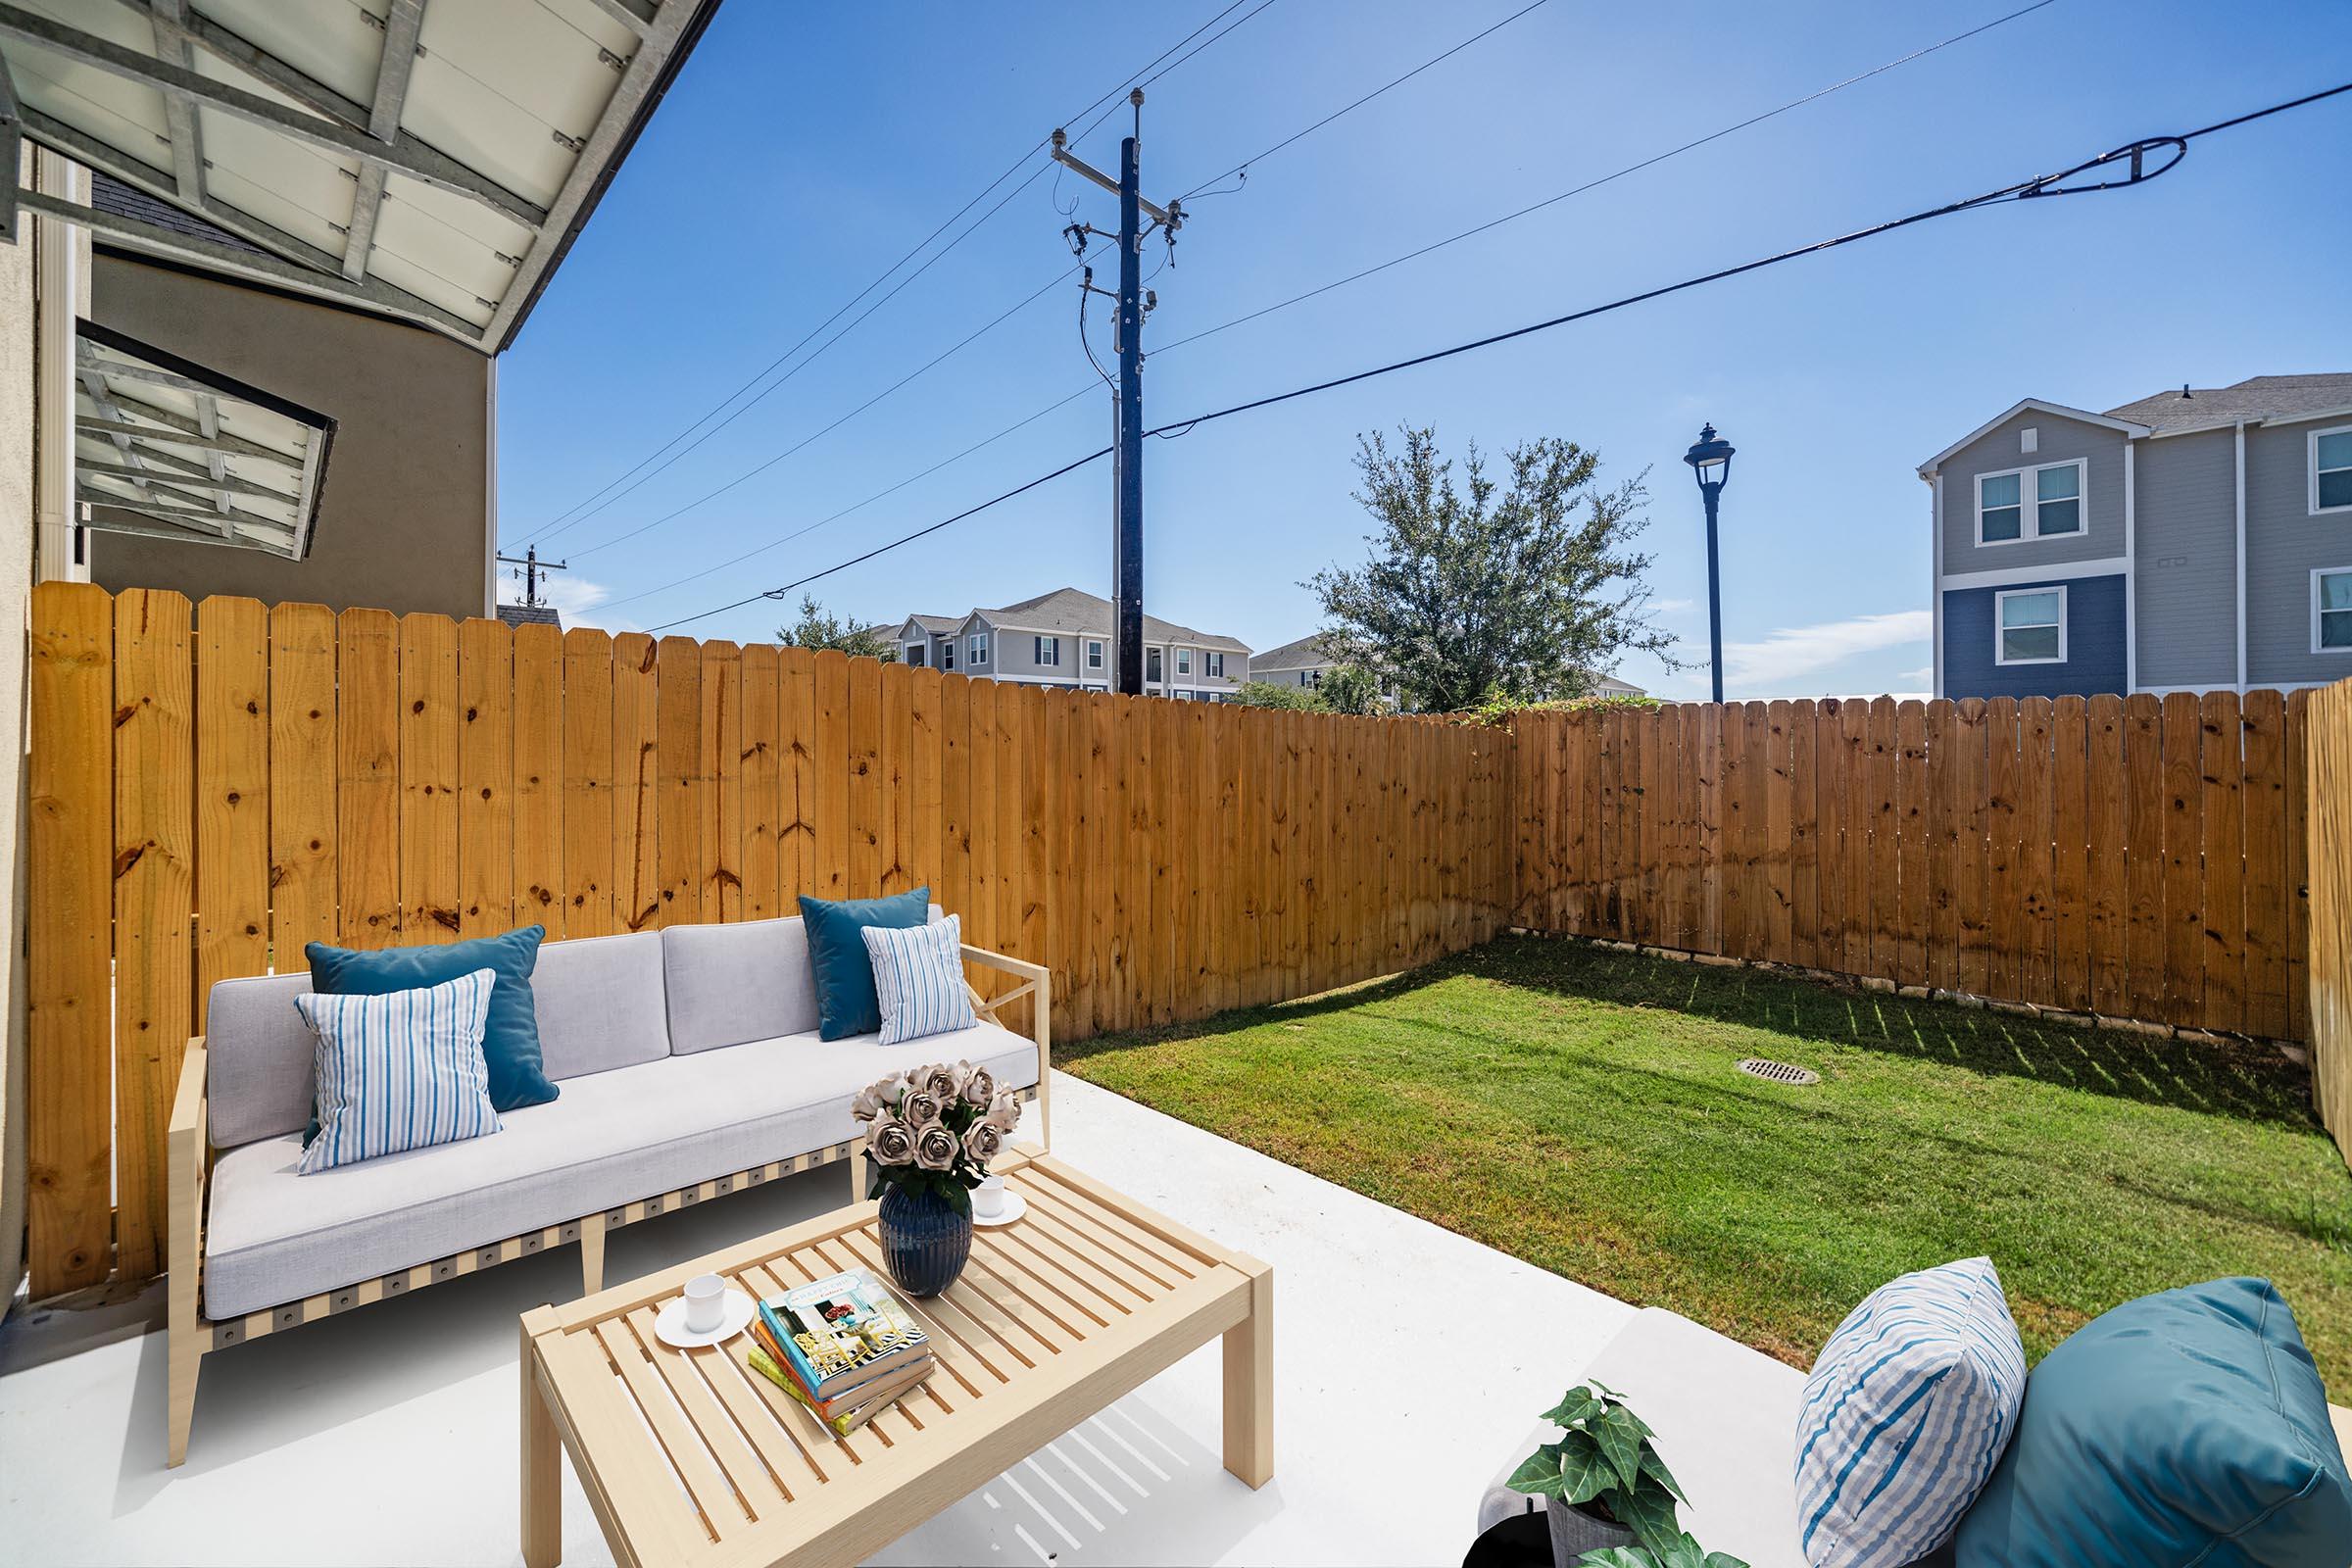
(782, 540)
(752, 474)
(1297, 299)
(2135, 156)
(567, 520)
(1603, 180)
(1349, 109)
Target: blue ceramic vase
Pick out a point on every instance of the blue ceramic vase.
(926, 1241)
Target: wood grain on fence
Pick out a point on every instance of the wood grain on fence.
(2139, 857)
(2320, 731)
(216, 785)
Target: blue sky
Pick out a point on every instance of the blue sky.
(806, 148)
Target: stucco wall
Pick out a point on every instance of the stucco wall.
(408, 518)
(16, 582)
(2094, 642)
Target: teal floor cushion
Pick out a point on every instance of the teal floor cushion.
(2190, 1427)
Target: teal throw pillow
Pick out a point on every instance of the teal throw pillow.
(846, 1002)
(510, 1033)
(2185, 1427)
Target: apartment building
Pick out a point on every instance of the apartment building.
(2195, 540)
(1062, 638)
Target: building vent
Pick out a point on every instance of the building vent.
(1780, 1072)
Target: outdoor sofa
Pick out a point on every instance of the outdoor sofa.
(689, 1065)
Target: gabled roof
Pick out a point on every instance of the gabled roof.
(530, 616)
(1081, 613)
(2251, 401)
(1303, 653)
(2126, 427)
(935, 626)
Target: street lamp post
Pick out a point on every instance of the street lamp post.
(1710, 462)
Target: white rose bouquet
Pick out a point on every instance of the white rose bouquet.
(935, 1128)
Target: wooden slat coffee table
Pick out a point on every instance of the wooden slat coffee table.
(692, 1457)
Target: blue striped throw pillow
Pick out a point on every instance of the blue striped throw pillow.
(918, 978)
(400, 1069)
(1907, 1411)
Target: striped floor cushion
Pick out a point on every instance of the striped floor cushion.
(1907, 1411)
(399, 1070)
(918, 978)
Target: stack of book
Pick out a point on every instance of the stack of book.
(845, 1347)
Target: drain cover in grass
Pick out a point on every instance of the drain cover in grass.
(1780, 1072)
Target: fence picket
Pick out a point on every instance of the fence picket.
(537, 890)
(154, 859)
(486, 695)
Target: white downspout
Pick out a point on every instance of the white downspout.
(2241, 557)
(2131, 572)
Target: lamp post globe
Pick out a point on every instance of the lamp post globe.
(1710, 460)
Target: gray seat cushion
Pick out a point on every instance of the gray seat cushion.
(598, 1002)
(732, 983)
(1725, 1417)
(256, 1064)
(613, 1137)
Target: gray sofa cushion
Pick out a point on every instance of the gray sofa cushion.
(732, 983)
(258, 1053)
(613, 1137)
(600, 1003)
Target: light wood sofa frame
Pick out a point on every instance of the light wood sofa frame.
(191, 1336)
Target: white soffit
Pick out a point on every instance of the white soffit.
(168, 449)
(425, 159)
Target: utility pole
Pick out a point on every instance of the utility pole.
(531, 566)
(1127, 452)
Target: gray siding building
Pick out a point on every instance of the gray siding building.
(1303, 663)
(1062, 638)
(2191, 541)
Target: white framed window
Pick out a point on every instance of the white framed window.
(2331, 470)
(2332, 609)
(2028, 627)
(1151, 666)
(915, 656)
(1310, 677)
(1183, 660)
(1217, 665)
(2037, 503)
(947, 654)
(1049, 652)
(1094, 652)
(977, 647)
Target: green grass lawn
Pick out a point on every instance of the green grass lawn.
(1578, 1108)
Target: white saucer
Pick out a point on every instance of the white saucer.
(1016, 1206)
(669, 1324)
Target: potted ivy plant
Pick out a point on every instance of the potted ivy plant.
(1606, 1493)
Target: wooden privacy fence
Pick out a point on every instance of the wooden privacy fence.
(2141, 858)
(214, 785)
(2329, 743)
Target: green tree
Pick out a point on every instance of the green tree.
(1350, 689)
(818, 628)
(1524, 587)
(1272, 694)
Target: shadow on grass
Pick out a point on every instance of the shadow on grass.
(2245, 1082)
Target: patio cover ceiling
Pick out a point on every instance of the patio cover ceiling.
(430, 161)
(169, 450)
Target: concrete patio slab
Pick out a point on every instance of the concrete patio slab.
(388, 1434)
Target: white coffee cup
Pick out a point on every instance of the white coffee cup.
(705, 1304)
(988, 1199)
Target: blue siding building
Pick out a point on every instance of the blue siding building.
(2086, 658)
